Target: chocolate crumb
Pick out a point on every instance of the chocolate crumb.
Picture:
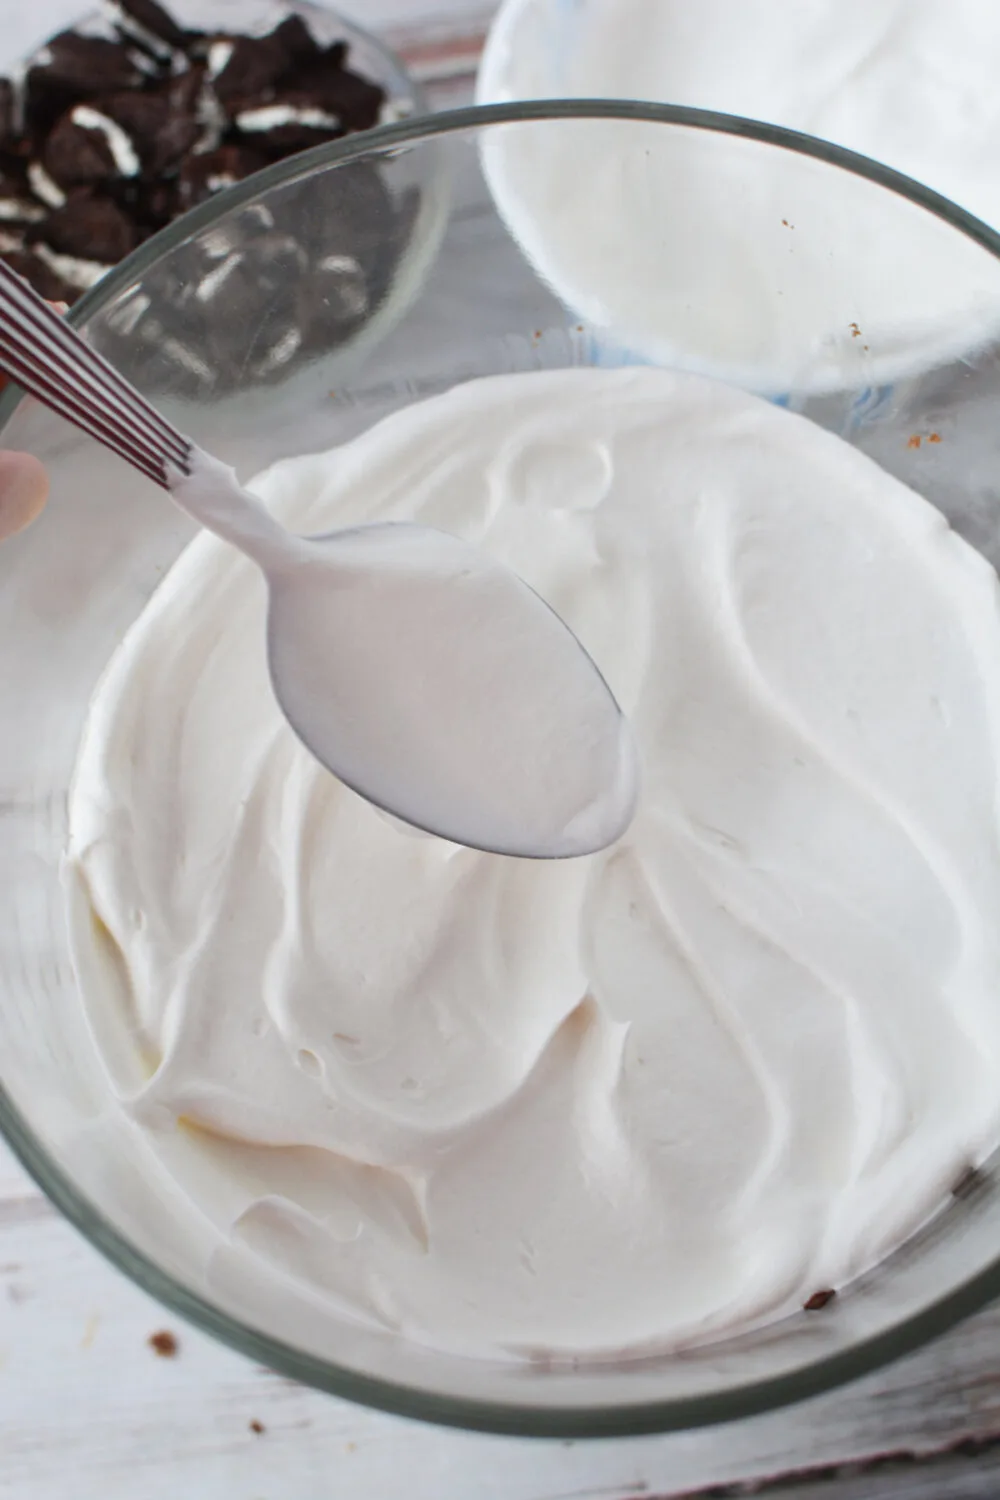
(163, 1343)
(257, 1427)
(818, 1300)
(970, 1180)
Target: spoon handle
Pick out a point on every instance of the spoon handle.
(48, 358)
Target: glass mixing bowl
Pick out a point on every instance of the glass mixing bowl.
(422, 285)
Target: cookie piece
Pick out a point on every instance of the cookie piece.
(252, 69)
(88, 227)
(74, 157)
(84, 66)
(328, 85)
(210, 171)
(288, 124)
(144, 20)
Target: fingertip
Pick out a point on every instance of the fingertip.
(24, 488)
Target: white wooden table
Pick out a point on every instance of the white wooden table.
(89, 1411)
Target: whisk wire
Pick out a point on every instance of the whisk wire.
(50, 360)
(83, 411)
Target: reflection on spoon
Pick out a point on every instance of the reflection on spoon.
(432, 680)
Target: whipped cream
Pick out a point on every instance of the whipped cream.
(735, 258)
(621, 1103)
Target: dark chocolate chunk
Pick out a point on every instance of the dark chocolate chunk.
(164, 122)
(298, 42)
(177, 138)
(326, 84)
(149, 204)
(142, 116)
(87, 226)
(156, 205)
(819, 1300)
(74, 70)
(254, 67)
(86, 65)
(75, 157)
(206, 173)
(46, 282)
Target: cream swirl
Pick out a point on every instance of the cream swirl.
(624, 1102)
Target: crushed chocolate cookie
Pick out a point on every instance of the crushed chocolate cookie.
(79, 67)
(163, 1343)
(818, 1300)
(110, 137)
(203, 175)
(76, 157)
(252, 69)
(87, 226)
(144, 18)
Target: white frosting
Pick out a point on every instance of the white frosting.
(43, 187)
(734, 258)
(271, 116)
(219, 54)
(22, 210)
(618, 1103)
(123, 153)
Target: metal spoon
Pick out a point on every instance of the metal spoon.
(424, 674)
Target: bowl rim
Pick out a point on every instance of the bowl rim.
(512, 1418)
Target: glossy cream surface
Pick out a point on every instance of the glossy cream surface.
(625, 1102)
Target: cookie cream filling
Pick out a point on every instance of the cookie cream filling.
(622, 1103)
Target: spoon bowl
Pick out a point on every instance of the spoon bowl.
(449, 742)
(420, 671)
